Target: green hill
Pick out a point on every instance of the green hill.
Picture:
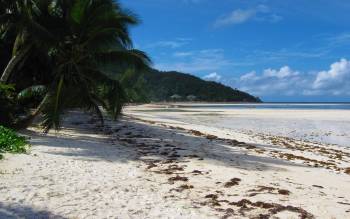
(161, 86)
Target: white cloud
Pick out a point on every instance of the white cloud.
(270, 81)
(287, 82)
(207, 60)
(339, 40)
(173, 44)
(240, 16)
(336, 79)
(182, 54)
(212, 77)
(284, 72)
(249, 76)
(202, 60)
(236, 17)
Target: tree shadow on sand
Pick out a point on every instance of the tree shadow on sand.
(15, 211)
(133, 140)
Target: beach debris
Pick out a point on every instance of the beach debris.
(178, 178)
(283, 192)
(174, 155)
(196, 133)
(262, 189)
(180, 149)
(172, 152)
(192, 156)
(164, 153)
(212, 196)
(343, 203)
(229, 212)
(174, 167)
(273, 208)
(232, 182)
(316, 163)
(211, 137)
(197, 172)
(269, 190)
(151, 165)
(347, 170)
(212, 200)
(183, 187)
(168, 161)
(304, 145)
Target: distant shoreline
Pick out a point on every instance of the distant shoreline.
(204, 102)
(313, 122)
(260, 106)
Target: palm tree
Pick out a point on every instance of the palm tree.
(17, 18)
(86, 43)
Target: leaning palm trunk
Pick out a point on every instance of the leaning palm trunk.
(13, 63)
(28, 120)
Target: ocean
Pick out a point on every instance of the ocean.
(286, 106)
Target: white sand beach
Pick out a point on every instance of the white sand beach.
(156, 163)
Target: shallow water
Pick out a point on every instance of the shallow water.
(330, 132)
(292, 106)
(323, 123)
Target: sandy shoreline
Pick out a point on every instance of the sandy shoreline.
(148, 166)
(324, 126)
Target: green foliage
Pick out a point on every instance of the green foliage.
(67, 54)
(31, 96)
(160, 86)
(134, 85)
(7, 104)
(11, 142)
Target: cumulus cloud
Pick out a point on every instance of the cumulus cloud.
(212, 77)
(270, 81)
(239, 16)
(284, 72)
(336, 79)
(286, 81)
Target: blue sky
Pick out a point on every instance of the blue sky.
(279, 50)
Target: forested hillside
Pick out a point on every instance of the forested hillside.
(176, 86)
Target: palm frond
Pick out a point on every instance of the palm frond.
(85, 42)
(114, 96)
(31, 92)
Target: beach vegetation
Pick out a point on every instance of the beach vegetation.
(66, 54)
(11, 142)
(7, 104)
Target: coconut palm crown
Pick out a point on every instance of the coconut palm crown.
(84, 45)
